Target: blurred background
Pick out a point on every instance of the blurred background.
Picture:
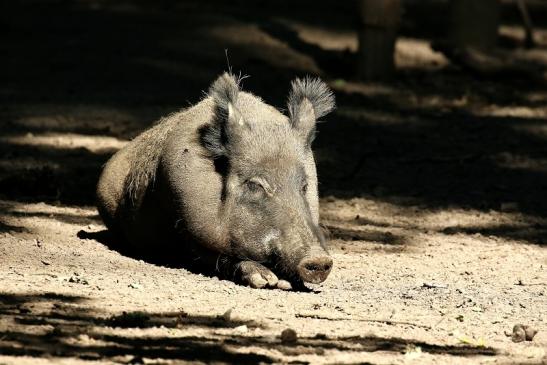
(440, 103)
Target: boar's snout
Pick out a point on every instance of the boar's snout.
(315, 269)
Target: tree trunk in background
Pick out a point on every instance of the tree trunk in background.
(474, 23)
(528, 26)
(378, 21)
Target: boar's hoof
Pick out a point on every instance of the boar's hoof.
(315, 269)
(255, 275)
(284, 285)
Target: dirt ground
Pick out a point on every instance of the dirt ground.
(433, 188)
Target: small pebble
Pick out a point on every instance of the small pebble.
(137, 360)
(288, 336)
(518, 334)
(242, 329)
(530, 333)
(227, 316)
(78, 280)
(523, 333)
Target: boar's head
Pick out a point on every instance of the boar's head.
(270, 201)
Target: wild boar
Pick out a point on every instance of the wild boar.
(230, 181)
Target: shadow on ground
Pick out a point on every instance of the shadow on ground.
(57, 325)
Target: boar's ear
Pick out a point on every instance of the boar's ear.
(228, 123)
(309, 100)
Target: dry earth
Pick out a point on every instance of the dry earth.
(433, 190)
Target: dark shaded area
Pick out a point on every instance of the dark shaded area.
(61, 217)
(335, 63)
(537, 233)
(67, 326)
(349, 234)
(5, 227)
(158, 56)
(418, 22)
(189, 256)
(441, 162)
(70, 318)
(9, 211)
(172, 255)
(66, 175)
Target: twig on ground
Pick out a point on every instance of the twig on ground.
(529, 284)
(360, 319)
(442, 318)
(434, 286)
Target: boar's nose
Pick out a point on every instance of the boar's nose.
(315, 269)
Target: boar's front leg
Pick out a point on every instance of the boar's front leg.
(254, 274)
(258, 276)
(250, 273)
(246, 272)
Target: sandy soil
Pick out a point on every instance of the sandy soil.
(433, 190)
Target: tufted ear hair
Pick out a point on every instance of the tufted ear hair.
(228, 123)
(309, 99)
(224, 90)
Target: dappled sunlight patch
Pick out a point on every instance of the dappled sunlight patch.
(514, 111)
(83, 119)
(374, 117)
(27, 215)
(69, 327)
(379, 221)
(513, 32)
(329, 39)
(366, 211)
(28, 164)
(348, 225)
(444, 218)
(417, 53)
(409, 52)
(520, 162)
(66, 141)
(367, 89)
(401, 99)
(537, 96)
(532, 129)
(7, 206)
(511, 225)
(54, 165)
(264, 47)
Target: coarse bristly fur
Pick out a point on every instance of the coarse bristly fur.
(316, 91)
(147, 148)
(224, 92)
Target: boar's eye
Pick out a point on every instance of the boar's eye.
(305, 188)
(254, 186)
